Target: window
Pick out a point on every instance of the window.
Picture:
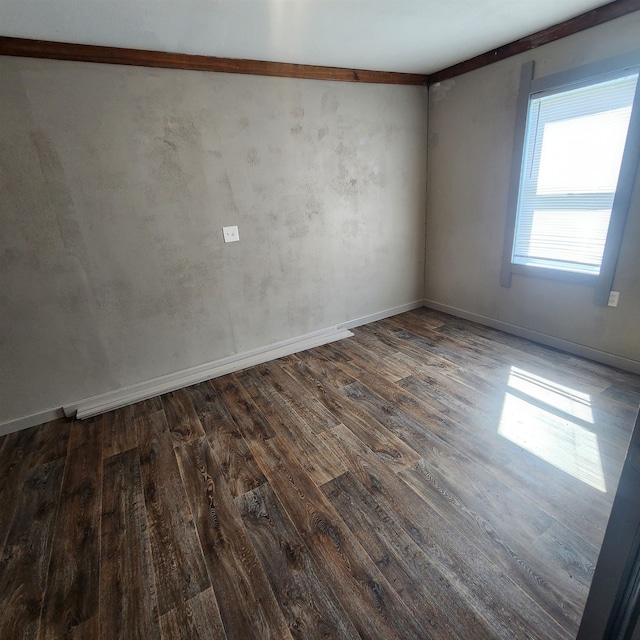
(573, 170)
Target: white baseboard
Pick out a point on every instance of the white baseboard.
(30, 421)
(170, 382)
(381, 315)
(566, 345)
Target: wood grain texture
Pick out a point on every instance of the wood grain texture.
(143, 58)
(264, 516)
(128, 603)
(571, 553)
(317, 459)
(374, 607)
(247, 605)
(592, 18)
(229, 448)
(424, 588)
(232, 454)
(51, 441)
(314, 414)
(24, 563)
(310, 609)
(468, 508)
(182, 418)
(459, 559)
(118, 430)
(252, 425)
(374, 434)
(16, 451)
(196, 619)
(71, 596)
(203, 398)
(178, 561)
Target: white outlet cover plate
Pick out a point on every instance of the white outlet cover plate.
(230, 234)
(614, 297)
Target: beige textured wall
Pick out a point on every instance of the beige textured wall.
(115, 183)
(471, 130)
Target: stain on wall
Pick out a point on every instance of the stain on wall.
(115, 183)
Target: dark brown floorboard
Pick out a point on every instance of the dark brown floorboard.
(247, 604)
(128, 602)
(175, 548)
(71, 596)
(26, 555)
(427, 478)
(196, 619)
(16, 450)
(311, 609)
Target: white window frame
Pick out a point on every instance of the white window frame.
(556, 83)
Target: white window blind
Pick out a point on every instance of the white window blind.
(574, 143)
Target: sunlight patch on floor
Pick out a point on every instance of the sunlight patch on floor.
(551, 422)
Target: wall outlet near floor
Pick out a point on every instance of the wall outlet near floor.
(230, 234)
(614, 296)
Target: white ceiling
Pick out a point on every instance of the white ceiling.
(417, 36)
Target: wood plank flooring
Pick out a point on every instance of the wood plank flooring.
(427, 478)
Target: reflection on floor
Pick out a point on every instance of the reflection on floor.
(553, 422)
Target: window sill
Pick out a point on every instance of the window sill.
(552, 274)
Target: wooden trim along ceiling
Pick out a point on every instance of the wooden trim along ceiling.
(138, 57)
(142, 58)
(597, 16)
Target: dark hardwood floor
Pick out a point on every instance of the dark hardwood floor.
(427, 478)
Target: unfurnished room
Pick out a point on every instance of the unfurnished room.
(319, 319)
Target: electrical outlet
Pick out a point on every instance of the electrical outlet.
(230, 234)
(614, 296)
